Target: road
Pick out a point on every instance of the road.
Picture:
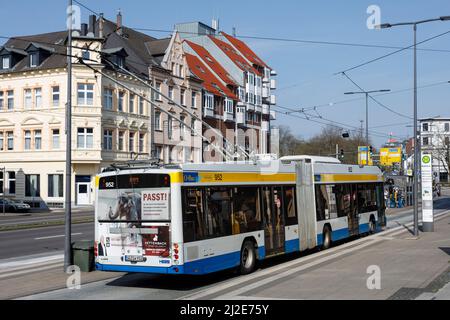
(333, 273)
(40, 240)
(31, 218)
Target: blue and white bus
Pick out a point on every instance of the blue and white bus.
(202, 218)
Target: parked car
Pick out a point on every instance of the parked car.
(14, 206)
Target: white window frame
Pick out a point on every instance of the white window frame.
(141, 137)
(170, 93)
(121, 101)
(10, 137)
(2, 141)
(85, 90)
(28, 99)
(27, 140)
(55, 94)
(194, 99)
(58, 137)
(157, 94)
(108, 98)
(131, 141)
(6, 65)
(157, 120)
(38, 98)
(10, 103)
(183, 97)
(209, 101)
(131, 102)
(86, 138)
(228, 105)
(37, 139)
(108, 139)
(121, 140)
(33, 57)
(11, 180)
(2, 100)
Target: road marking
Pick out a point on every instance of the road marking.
(58, 236)
(33, 270)
(28, 263)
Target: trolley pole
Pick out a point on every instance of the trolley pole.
(68, 195)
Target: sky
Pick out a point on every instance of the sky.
(306, 71)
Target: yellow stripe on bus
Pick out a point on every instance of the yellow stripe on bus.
(97, 181)
(349, 177)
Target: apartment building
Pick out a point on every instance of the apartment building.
(243, 72)
(109, 122)
(435, 140)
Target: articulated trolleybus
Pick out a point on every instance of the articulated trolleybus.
(202, 218)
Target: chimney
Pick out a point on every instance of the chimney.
(119, 23)
(215, 24)
(84, 29)
(100, 26)
(92, 21)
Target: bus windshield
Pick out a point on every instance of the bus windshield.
(134, 198)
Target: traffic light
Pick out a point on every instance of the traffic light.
(341, 154)
(371, 150)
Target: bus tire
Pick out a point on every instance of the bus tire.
(326, 244)
(248, 257)
(371, 225)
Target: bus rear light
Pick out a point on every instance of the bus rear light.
(176, 257)
(176, 251)
(176, 269)
(96, 249)
(175, 245)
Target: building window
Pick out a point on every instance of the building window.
(425, 127)
(182, 127)
(194, 99)
(171, 93)
(85, 138)
(171, 154)
(131, 142)
(10, 142)
(55, 138)
(27, 144)
(10, 99)
(85, 55)
(27, 99)
(447, 141)
(182, 97)
(6, 62)
(38, 98)
(170, 128)
(131, 103)
(141, 142)
(85, 94)
(447, 127)
(228, 108)
(121, 136)
(141, 106)
(1, 182)
(55, 185)
(11, 182)
(426, 141)
(108, 98)
(107, 139)
(193, 133)
(209, 101)
(55, 96)
(157, 120)
(33, 60)
(37, 140)
(2, 100)
(32, 185)
(158, 90)
(158, 152)
(2, 141)
(120, 101)
(181, 71)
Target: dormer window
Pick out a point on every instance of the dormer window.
(33, 59)
(6, 62)
(85, 55)
(120, 61)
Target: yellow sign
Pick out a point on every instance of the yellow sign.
(362, 156)
(389, 156)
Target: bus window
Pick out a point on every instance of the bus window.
(193, 215)
(344, 199)
(291, 206)
(367, 198)
(325, 202)
(218, 204)
(246, 210)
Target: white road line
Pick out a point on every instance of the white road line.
(29, 263)
(58, 236)
(33, 270)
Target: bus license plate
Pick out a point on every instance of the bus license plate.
(135, 258)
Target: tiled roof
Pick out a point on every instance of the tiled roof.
(234, 56)
(245, 50)
(210, 82)
(212, 63)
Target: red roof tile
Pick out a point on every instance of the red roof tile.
(212, 63)
(245, 50)
(234, 56)
(210, 82)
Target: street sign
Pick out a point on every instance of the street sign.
(362, 156)
(389, 156)
(427, 192)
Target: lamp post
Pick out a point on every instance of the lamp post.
(416, 141)
(366, 93)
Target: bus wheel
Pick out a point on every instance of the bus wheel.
(326, 238)
(248, 257)
(371, 225)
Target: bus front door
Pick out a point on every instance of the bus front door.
(273, 220)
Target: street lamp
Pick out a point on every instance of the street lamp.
(416, 153)
(366, 93)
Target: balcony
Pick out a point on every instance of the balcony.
(273, 99)
(273, 73)
(265, 92)
(265, 80)
(265, 126)
(273, 84)
(265, 109)
(228, 117)
(273, 115)
(258, 108)
(208, 112)
(240, 117)
(250, 107)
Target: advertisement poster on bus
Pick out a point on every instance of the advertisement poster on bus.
(155, 204)
(156, 243)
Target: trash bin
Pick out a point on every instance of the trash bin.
(83, 255)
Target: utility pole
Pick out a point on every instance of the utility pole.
(68, 202)
(337, 151)
(4, 190)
